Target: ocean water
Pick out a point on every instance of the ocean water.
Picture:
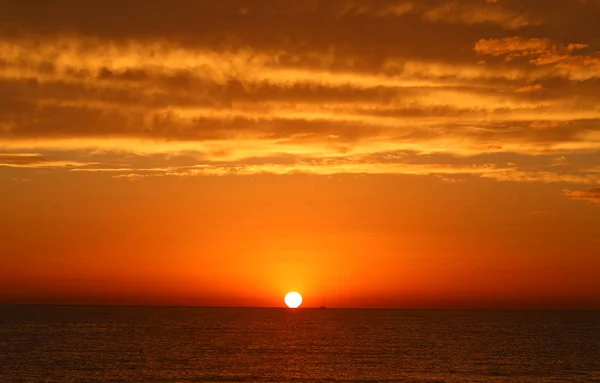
(139, 344)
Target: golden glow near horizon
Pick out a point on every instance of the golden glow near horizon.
(397, 153)
(293, 300)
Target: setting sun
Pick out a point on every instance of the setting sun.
(293, 300)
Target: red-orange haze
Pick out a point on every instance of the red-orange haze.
(364, 154)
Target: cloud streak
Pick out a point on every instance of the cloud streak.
(591, 195)
(566, 60)
(36, 160)
(453, 79)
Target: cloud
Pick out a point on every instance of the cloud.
(530, 88)
(149, 97)
(565, 59)
(154, 67)
(516, 175)
(374, 9)
(513, 47)
(36, 160)
(313, 167)
(545, 124)
(288, 86)
(453, 12)
(591, 195)
(470, 12)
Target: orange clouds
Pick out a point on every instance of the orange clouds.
(545, 177)
(513, 47)
(465, 12)
(342, 166)
(36, 160)
(591, 195)
(530, 88)
(305, 101)
(544, 52)
(469, 12)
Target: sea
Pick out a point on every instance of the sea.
(151, 344)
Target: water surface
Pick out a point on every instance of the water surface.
(143, 344)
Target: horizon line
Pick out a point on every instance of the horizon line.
(293, 309)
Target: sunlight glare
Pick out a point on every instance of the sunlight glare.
(293, 300)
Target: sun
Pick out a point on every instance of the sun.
(293, 300)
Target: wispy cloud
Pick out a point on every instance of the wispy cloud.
(591, 195)
(36, 160)
(444, 78)
(565, 59)
(530, 88)
(323, 168)
(480, 12)
(516, 175)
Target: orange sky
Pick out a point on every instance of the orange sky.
(437, 153)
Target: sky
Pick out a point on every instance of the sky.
(415, 154)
